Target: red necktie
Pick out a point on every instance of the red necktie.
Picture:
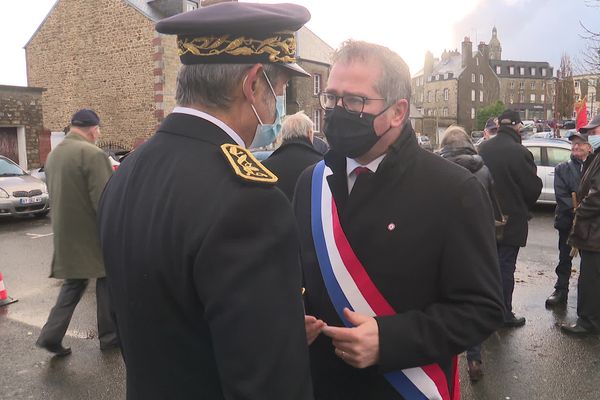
(361, 170)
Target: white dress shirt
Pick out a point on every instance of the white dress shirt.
(352, 164)
(214, 120)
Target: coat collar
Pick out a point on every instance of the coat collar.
(297, 142)
(195, 128)
(507, 131)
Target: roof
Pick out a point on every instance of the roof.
(452, 64)
(31, 89)
(145, 8)
(311, 47)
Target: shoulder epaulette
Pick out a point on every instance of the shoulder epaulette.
(246, 166)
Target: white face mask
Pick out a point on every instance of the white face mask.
(267, 133)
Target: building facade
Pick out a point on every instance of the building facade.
(588, 86)
(21, 126)
(117, 64)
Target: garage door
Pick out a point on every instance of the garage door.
(8, 143)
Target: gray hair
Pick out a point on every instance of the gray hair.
(297, 125)
(213, 85)
(456, 136)
(394, 82)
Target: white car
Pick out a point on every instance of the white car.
(20, 193)
(547, 154)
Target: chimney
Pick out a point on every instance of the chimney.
(467, 51)
(484, 49)
(428, 66)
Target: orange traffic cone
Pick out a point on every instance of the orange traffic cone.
(4, 299)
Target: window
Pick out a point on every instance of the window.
(532, 71)
(473, 95)
(556, 155)
(512, 99)
(317, 117)
(481, 78)
(542, 98)
(522, 98)
(317, 84)
(472, 78)
(477, 61)
(543, 71)
(481, 96)
(498, 70)
(512, 84)
(437, 96)
(417, 82)
(576, 84)
(190, 5)
(429, 98)
(511, 70)
(537, 154)
(422, 95)
(446, 94)
(532, 85)
(521, 70)
(543, 85)
(421, 81)
(521, 85)
(435, 112)
(445, 112)
(532, 97)
(472, 113)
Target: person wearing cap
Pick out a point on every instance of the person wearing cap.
(295, 153)
(491, 128)
(76, 173)
(200, 246)
(518, 188)
(585, 237)
(398, 249)
(567, 176)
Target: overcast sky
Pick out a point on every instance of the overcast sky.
(529, 30)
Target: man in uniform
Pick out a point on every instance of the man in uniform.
(200, 246)
(77, 172)
(395, 233)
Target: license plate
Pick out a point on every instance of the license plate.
(31, 200)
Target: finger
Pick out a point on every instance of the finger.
(334, 332)
(355, 318)
(309, 318)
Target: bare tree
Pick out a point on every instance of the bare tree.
(591, 55)
(565, 88)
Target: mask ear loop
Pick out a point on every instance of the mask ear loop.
(252, 105)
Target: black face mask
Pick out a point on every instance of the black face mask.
(351, 135)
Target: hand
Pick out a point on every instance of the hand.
(358, 346)
(313, 328)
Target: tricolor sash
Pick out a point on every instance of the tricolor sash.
(349, 285)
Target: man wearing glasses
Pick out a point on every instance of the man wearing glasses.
(398, 246)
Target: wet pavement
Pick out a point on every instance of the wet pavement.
(533, 362)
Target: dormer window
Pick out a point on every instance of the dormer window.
(190, 5)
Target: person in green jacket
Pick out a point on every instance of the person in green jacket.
(76, 173)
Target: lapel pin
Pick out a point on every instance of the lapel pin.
(391, 226)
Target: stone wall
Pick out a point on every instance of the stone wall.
(98, 54)
(301, 94)
(22, 107)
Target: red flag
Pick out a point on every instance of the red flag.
(581, 110)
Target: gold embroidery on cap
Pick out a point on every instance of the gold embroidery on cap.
(246, 165)
(280, 48)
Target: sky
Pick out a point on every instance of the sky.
(529, 30)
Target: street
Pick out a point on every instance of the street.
(533, 362)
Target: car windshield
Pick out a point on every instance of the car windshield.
(7, 168)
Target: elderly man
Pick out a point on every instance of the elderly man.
(567, 176)
(76, 172)
(585, 237)
(518, 188)
(490, 130)
(295, 153)
(201, 248)
(398, 246)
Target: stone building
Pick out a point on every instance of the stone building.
(21, 125)
(451, 89)
(588, 86)
(117, 64)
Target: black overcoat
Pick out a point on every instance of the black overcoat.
(516, 182)
(203, 272)
(289, 160)
(422, 228)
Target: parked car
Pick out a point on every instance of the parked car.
(547, 154)
(20, 193)
(424, 142)
(40, 172)
(568, 124)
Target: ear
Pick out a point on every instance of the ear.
(401, 111)
(250, 82)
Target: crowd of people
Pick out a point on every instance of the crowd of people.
(358, 274)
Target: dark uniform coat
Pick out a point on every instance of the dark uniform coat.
(586, 227)
(517, 184)
(437, 268)
(567, 176)
(203, 271)
(289, 160)
(76, 172)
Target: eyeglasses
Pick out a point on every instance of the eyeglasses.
(352, 103)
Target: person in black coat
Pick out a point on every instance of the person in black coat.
(200, 247)
(295, 153)
(518, 188)
(457, 148)
(420, 227)
(567, 176)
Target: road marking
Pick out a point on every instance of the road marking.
(38, 235)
